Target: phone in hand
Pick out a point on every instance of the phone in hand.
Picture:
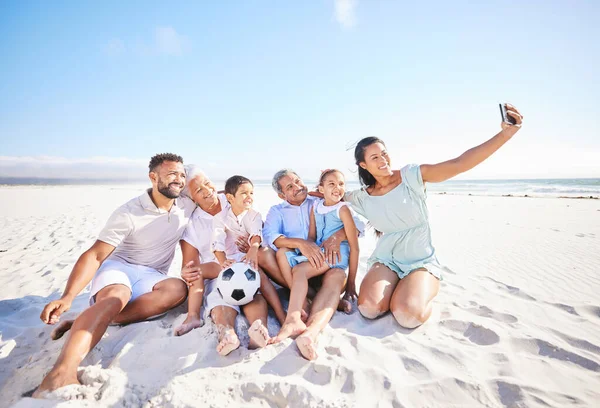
(505, 116)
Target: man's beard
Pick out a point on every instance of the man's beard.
(165, 189)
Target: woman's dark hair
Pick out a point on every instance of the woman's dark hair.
(366, 178)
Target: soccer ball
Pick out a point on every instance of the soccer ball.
(238, 284)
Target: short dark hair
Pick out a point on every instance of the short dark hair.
(234, 182)
(158, 159)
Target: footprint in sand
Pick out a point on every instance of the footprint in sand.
(475, 333)
(578, 343)
(485, 311)
(415, 368)
(592, 310)
(566, 308)
(545, 349)
(318, 374)
(512, 290)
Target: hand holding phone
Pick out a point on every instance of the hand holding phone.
(505, 116)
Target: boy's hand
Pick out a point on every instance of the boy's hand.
(227, 263)
(242, 244)
(191, 272)
(53, 310)
(251, 258)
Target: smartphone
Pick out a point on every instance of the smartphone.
(505, 116)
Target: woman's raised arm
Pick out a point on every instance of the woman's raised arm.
(435, 173)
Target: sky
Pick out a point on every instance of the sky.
(94, 89)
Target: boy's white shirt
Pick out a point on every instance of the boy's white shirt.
(228, 228)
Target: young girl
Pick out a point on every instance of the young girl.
(328, 216)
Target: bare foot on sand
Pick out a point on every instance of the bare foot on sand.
(259, 335)
(228, 340)
(345, 306)
(190, 323)
(53, 381)
(61, 329)
(307, 344)
(291, 328)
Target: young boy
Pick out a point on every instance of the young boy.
(241, 220)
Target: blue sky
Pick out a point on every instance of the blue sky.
(250, 87)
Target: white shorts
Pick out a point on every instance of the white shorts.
(139, 279)
(212, 298)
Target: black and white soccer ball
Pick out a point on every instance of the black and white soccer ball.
(238, 284)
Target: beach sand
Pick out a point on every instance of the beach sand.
(516, 323)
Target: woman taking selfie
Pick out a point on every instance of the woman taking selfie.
(403, 272)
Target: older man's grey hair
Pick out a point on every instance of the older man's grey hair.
(191, 172)
(278, 176)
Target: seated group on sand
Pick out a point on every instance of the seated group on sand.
(303, 237)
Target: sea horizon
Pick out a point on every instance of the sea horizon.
(534, 187)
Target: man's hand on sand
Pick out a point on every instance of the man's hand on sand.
(53, 310)
(332, 250)
(313, 252)
(191, 272)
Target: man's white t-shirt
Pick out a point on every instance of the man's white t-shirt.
(143, 234)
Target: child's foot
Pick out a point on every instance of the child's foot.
(307, 344)
(291, 328)
(345, 306)
(190, 323)
(228, 341)
(61, 329)
(259, 335)
(53, 381)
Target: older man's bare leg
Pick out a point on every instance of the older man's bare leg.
(323, 307)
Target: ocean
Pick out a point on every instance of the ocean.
(577, 187)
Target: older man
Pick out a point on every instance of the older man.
(286, 226)
(128, 264)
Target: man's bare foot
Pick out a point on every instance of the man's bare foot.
(190, 323)
(259, 335)
(307, 344)
(61, 329)
(53, 381)
(228, 341)
(345, 306)
(291, 328)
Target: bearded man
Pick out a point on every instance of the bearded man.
(127, 266)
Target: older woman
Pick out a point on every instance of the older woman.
(403, 271)
(196, 247)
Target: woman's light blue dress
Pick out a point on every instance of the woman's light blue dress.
(402, 216)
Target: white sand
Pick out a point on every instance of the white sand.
(517, 322)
